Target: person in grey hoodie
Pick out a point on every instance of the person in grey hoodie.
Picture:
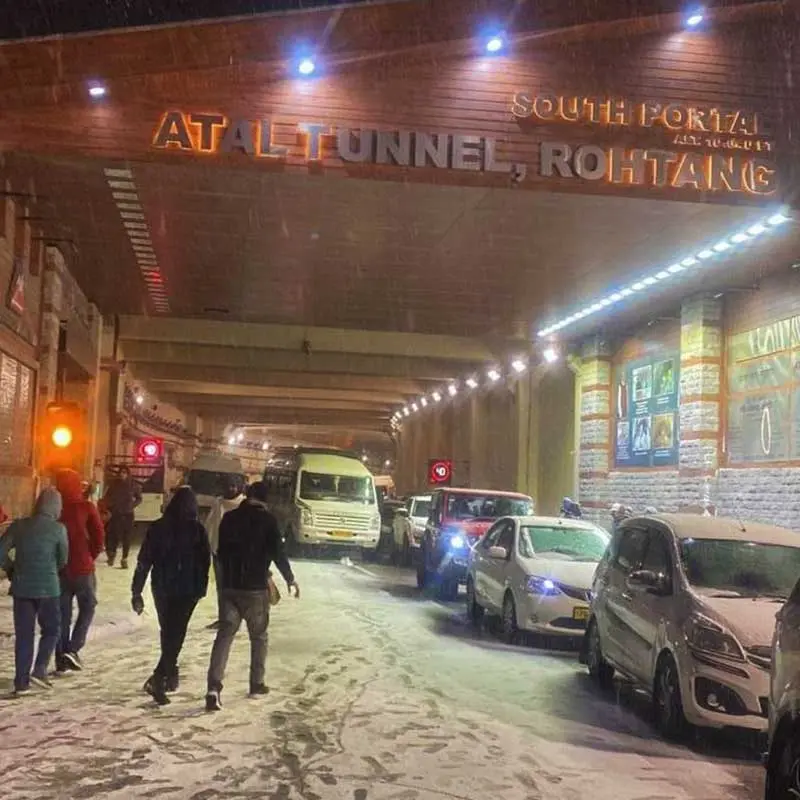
(40, 548)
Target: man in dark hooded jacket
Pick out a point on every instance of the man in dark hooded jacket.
(78, 582)
(121, 500)
(249, 541)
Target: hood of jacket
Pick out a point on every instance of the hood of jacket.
(49, 504)
(68, 483)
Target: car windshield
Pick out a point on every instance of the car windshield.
(486, 506)
(564, 542)
(421, 508)
(209, 483)
(740, 568)
(340, 488)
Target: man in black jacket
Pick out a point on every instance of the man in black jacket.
(249, 541)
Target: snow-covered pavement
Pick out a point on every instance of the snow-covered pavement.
(376, 695)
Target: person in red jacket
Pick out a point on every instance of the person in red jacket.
(78, 582)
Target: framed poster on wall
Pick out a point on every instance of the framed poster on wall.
(646, 412)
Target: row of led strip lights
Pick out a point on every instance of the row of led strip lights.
(126, 196)
(519, 366)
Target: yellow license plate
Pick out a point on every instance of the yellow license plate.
(580, 613)
(342, 534)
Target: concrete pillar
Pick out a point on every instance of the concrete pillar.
(52, 299)
(700, 398)
(527, 419)
(595, 423)
(94, 458)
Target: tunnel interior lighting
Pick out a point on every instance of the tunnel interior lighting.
(723, 246)
(139, 399)
(472, 383)
(306, 66)
(365, 458)
(387, 463)
(97, 91)
(695, 18)
(414, 407)
(518, 365)
(406, 412)
(494, 44)
(62, 436)
(437, 398)
(265, 446)
(452, 390)
(240, 437)
(423, 401)
(231, 440)
(550, 355)
(493, 375)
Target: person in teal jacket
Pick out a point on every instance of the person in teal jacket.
(40, 548)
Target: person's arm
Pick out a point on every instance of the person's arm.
(137, 494)
(143, 564)
(278, 552)
(204, 555)
(96, 530)
(62, 548)
(6, 546)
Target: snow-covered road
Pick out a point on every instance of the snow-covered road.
(376, 695)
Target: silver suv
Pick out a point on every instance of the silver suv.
(684, 606)
(783, 756)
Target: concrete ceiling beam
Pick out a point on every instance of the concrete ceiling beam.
(312, 404)
(175, 373)
(238, 392)
(298, 338)
(212, 356)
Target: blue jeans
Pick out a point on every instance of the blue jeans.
(83, 589)
(47, 610)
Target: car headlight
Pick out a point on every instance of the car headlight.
(536, 585)
(306, 516)
(457, 542)
(376, 520)
(707, 636)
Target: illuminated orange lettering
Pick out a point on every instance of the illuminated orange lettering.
(692, 171)
(173, 131)
(726, 173)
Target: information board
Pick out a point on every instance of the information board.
(646, 412)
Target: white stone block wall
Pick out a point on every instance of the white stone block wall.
(766, 494)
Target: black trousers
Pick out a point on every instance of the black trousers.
(119, 532)
(174, 614)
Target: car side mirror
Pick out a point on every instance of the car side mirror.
(651, 581)
(500, 553)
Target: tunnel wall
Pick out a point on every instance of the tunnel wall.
(736, 416)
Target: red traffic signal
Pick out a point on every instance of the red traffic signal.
(149, 450)
(440, 472)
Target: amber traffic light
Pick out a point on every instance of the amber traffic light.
(63, 436)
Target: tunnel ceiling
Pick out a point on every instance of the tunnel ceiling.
(315, 299)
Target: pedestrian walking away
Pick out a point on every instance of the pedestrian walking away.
(40, 547)
(176, 555)
(249, 541)
(232, 497)
(78, 580)
(121, 500)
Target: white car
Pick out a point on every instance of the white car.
(684, 606)
(783, 755)
(409, 526)
(536, 572)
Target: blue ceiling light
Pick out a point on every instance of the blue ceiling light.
(495, 44)
(306, 67)
(695, 18)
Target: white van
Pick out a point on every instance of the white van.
(208, 476)
(322, 497)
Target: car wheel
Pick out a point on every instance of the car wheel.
(667, 703)
(599, 668)
(510, 629)
(474, 610)
(783, 767)
(422, 572)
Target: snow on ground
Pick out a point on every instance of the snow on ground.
(376, 694)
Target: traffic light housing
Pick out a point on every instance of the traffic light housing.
(63, 437)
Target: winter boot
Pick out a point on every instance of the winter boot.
(213, 700)
(155, 686)
(173, 682)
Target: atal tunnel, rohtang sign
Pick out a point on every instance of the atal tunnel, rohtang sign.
(694, 148)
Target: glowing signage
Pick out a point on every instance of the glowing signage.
(215, 133)
(440, 472)
(735, 156)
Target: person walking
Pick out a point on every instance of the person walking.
(40, 550)
(78, 581)
(232, 497)
(121, 500)
(176, 555)
(249, 541)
